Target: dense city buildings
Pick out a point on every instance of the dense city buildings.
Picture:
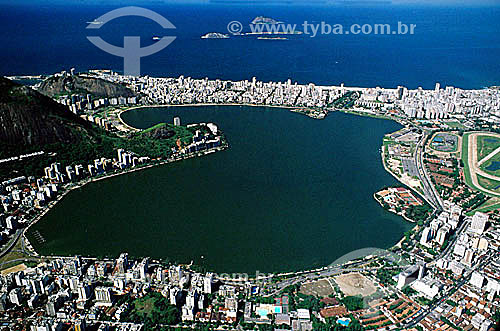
(442, 275)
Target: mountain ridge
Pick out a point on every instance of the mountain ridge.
(59, 85)
(29, 118)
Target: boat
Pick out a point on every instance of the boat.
(156, 38)
(272, 38)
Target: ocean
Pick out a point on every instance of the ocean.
(454, 46)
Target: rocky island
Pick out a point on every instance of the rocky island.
(264, 20)
(215, 35)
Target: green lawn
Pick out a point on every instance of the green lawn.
(465, 160)
(489, 184)
(154, 127)
(455, 125)
(491, 204)
(384, 117)
(181, 132)
(486, 145)
(488, 163)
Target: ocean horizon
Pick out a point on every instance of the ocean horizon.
(455, 47)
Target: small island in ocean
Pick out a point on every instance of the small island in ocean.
(264, 20)
(215, 35)
(272, 38)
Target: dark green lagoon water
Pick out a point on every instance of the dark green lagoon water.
(290, 193)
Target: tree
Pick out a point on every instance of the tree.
(353, 303)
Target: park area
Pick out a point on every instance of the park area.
(152, 309)
(445, 142)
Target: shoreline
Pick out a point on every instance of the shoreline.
(39, 217)
(193, 105)
(414, 228)
(394, 212)
(398, 244)
(290, 109)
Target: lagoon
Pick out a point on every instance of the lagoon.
(290, 193)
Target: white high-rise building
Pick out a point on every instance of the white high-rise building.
(407, 276)
(103, 296)
(459, 250)
(15, 296)
(37, 286)
(441, 235)
(143, 268)
(426, 234)
(174, 295)
(468, 257)
(160, 275)
(477, 280)
(421, 271)
(122, 263)
(207, 283)
(191, 300)
(120, 155)
(83, 292)
(479, 221)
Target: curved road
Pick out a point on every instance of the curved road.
(430, 193)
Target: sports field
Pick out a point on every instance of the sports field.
(445, 142)
(355, 284)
